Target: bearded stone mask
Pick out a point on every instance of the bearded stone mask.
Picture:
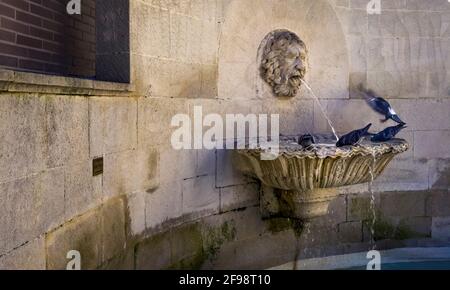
(284, 63)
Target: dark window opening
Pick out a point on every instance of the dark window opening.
(41, 36)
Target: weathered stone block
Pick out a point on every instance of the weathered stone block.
(387, 24)
(235, 225)
(124, 261)
(438, 204)
(113, 228)
(194, 38)
(357, 22)
(431, 144)
(186, 164)
(66, 129)
(226, 173)
(209, 81)
(295, 117)
(394, 228)
(239, 196)
(337, 210)
(150, 30)
(358, 53)
(360, 208)
(179, 29)
(259, 253)
(177, 164)
(136, 212)
(130, 171)
(441, 228)
(112, 125)
(419, 226)
(186, 80)
(350, 232)
(358, 4)
(83, 234)
(390, 83)
(99, 235)
(439, 174)
(154, 120)
(30, 256)
(357, 78)
(205, 163)
(200, 194)
(154, 253)
(48, 131)
(406, 204)
(417, 113)
(236, 80)
(342, 3)
(210, 40)
(403, 175)
(317, 234)
(433, 5)
(187, 247)
(30, 207)
(157, 72)
(163, 204)
(82, 190)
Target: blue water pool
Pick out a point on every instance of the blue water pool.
(416, 265)
(431, 258)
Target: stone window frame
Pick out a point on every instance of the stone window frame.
(113, 65)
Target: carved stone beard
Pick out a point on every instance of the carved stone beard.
(290, 84)
(288, 88)
(284, 63)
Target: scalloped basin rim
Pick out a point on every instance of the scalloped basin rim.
(326, 150)
(323, 166)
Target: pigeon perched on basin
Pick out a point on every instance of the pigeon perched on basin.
(380, 105)
(388, 133)
(353, 137)
(306, 140)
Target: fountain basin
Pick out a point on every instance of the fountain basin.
(297, 183)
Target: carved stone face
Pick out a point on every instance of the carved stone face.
(284, 63)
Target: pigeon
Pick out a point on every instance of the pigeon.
(353, 137)
(388, 133)
(306, 140)
(380, 105)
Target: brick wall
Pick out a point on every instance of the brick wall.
(39, 36)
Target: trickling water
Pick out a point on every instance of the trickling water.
(321, 108)
(372, 203)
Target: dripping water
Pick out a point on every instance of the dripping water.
(321, 108)
(372, 203)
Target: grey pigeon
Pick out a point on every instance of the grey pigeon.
(388, 133)
(353, 137)
(306, 140)
(380, 105)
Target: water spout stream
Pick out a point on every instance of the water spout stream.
(321, 108)
(372, 203)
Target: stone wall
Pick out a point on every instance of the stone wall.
(155, 207)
